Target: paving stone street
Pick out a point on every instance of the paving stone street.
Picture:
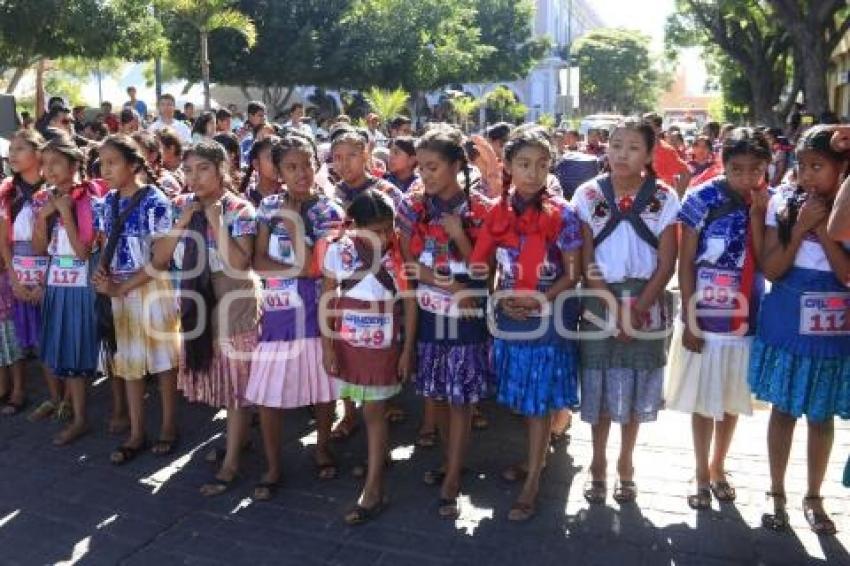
(70, 506)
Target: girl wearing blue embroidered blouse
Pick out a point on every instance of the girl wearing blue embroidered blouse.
(721, 288)
(287, 370)
(800, 360)
(219, 297)
(535, 239)
(139, 325)
(629, 257)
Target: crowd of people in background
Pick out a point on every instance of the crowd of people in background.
(452, 261)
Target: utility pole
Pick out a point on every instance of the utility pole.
(569, 109)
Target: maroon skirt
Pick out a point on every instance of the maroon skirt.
(367, 340)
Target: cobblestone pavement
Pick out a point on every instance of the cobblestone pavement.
(69, 505)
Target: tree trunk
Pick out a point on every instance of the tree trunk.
(763, 87)
(39, 89)
(814, 76)
(205, 67)
(16, 78)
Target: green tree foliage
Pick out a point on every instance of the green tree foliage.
(93, 29)
(507, 26)
(503, 105)
(746, 43)
(387, 104)
(815, 27)
(617, 71)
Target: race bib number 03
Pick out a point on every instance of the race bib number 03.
(717, 288)
(824, 314)
(281, 294)
(436, 301)
(367, 330)
(68, 272)
(30, 270)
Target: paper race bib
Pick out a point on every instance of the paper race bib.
(653, 319)
(436, 301)
(66, 271)
(30, 270)
(283, 251)
(281, 294)
(367, 330)
(824, 314)
(717, 288)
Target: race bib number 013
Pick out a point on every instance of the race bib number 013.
(717, 288)
(30, 270)
(367, 330)
(68, 272)
(824, 314)
(281, 294)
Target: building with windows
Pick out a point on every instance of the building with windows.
(563, 21)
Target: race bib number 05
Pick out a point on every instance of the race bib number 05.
(367, 330)
(824, 314)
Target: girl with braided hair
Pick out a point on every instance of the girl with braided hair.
(533, 237)
(64, 231)
(219, 297)
(20, 288)
(439, 226)
(136, 310)
(800, 359)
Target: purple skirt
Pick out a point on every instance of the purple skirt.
(459, 374)
(26, 316)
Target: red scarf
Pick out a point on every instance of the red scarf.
(532, 231)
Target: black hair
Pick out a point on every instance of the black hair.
(169, 138)
(132, 154)
(646, 131)
(817, 139)
(99, 128)
(256, 149)
(255, 106)
(295, 106)
(529, 135)
(150, 143)
(745, 141)
(188, 105)
(713, 129)
(705, 140)
(653, 119)
(294, 141)
(36, 141)
(200, 126)
(215, 153)
(405, 143)
(223, 114)
(93, 162)
(229, 142)
(349, 135)
(370, 207)
(499, 132)
(128, 115)
(399, 121)
(447, 141)
(168, 96)
(64, 145)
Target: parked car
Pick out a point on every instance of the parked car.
(598, 121)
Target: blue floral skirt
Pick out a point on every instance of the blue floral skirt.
(536, 379)
(457, 373)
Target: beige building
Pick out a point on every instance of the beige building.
(838, 79)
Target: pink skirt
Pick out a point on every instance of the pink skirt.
(223, 384)
(287, 375)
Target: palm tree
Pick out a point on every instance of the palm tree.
(387, 103)
(207, 16)
(464, 107)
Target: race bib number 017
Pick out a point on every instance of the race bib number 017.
(367, 330)
(435, 301)
(824, 314)
(68, 272)
(30, 270)
(280, 294)
(717, 288)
